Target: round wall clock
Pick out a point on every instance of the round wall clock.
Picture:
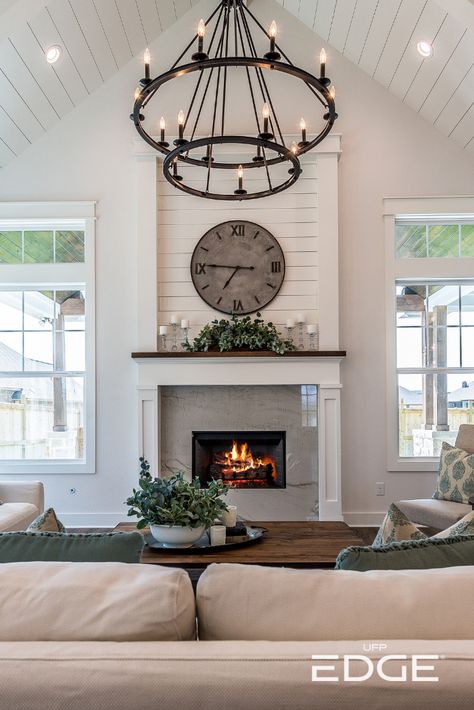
(238, 267)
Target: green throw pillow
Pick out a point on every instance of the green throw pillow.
(456, 475)
(30, 546)
(46, 522)
(410, 554)
(395, 527)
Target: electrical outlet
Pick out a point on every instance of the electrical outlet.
(72, 491)
(380, 489)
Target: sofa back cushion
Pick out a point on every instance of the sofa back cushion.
(67, 601)
(410, 554)
(32, 546)
(240, 602)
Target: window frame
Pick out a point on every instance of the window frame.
(62, 276)
(440, 210)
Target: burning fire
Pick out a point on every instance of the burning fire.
(239, 463)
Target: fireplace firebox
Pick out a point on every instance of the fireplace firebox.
(241, 459)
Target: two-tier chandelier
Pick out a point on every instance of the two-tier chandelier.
(225, 59)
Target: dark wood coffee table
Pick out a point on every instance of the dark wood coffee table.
(303, 545)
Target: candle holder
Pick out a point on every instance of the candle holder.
(314, 338)
(301, 336)
(163, 339)
(289, 330)
(174, 346)
(184, 337)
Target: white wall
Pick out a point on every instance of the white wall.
(387, 151)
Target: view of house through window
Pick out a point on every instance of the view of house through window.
(435, 363)
(42, 373)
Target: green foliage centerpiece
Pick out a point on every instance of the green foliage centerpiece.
(178, 511)
(239, 334)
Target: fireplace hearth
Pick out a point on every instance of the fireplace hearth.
(240, 459)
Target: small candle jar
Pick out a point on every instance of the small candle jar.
(217, 535)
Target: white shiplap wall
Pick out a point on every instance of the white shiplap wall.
(292, 217)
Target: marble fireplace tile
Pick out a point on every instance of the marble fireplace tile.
(290, 408)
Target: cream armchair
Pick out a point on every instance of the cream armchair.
(440, 514)
(22, 502)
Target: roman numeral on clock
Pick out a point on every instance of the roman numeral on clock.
(238, 306)
(276, 267)
(199, 268)
(238, 230)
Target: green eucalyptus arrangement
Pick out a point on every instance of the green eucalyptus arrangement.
(239, 334)
(175, 501)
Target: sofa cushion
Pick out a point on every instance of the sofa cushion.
(228, 675)
(464, 527)
(66, 601)
(70, 547)
(438, 514)
(456, 475)
(47, 522)
(410, 554)
(17, 516)
(249, 602)
(397, 526)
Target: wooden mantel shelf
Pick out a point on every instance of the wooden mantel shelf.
(247, 354)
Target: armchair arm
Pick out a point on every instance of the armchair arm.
(23, 492)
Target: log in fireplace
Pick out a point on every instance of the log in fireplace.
(241, 459)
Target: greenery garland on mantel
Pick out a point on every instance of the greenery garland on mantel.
(239, 334)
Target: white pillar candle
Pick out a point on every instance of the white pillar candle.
(229, 517)
(184, 323)
(163, 329)
(300, 318)
(311, 329)
(173, 319)
(290, 323)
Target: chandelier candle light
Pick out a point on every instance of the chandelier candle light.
(232, 38)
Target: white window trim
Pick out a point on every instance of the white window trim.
(66, 215)
(425, 208)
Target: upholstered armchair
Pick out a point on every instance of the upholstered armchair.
(21, 503)
(440, 514)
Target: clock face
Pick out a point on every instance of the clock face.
(238, 267)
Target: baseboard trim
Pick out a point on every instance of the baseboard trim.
(364, 519)
(93, 520)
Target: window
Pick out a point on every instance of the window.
(47, 344)
(435, 363)
(430, 328)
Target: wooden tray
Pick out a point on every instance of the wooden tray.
(204, 545)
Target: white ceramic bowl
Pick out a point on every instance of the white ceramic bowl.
(176, 535)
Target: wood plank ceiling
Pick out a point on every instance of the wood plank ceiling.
(380, 36)
(99, 36)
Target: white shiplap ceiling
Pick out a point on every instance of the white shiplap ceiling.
(380, 36)
(98, 37)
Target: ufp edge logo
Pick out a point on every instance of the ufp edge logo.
(359, 668)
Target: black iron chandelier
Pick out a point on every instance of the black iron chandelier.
(202, 140)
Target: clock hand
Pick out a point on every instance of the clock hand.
(227, 266)
(237, 268)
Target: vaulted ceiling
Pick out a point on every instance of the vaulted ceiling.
(381, 37)
(98, 37)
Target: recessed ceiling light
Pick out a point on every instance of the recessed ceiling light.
(52, 54)
(425, 48)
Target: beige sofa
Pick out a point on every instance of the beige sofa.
(22, 502)
(115, 636)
